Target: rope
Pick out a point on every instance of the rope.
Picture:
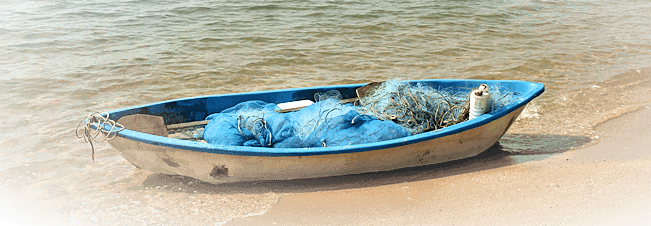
(98, 121)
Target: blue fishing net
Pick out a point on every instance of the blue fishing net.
(323, 124)
(392, 110)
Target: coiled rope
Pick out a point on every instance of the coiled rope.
(91, 134)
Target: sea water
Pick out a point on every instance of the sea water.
(60, 60)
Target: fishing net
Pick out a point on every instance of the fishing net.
(391, 110)
(420, 108)
(417, 108)
(322, 124)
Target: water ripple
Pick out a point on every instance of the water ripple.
(61, 59)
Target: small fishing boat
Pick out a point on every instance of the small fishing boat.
(146, 143)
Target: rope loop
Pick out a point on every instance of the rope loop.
(85, 129)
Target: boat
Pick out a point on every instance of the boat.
(144, 141)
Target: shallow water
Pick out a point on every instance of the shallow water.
(60, 60)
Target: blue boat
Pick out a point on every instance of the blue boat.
(145, 143)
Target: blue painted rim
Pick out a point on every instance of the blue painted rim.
(533, 91)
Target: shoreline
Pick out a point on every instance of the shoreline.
(585, 186)
(528, 178)
(64, 61)
(563, 155)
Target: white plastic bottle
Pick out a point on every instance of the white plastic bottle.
(479, 101)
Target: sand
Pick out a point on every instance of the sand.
(579, 158)
(598, 176)
(605, 184)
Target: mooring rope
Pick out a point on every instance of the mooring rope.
(98, 121)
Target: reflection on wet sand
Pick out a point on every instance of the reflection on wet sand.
(527, 147)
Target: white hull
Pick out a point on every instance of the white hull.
(221, 168)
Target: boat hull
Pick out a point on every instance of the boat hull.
(223, 168)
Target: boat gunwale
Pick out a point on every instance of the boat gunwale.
(534, 91)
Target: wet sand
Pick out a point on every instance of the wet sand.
(605, 184)
(549, 181)
(580, 159)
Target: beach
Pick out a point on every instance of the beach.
(576, 155)
(554, 177)
(606, 182)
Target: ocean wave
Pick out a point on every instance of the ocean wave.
(86, 13)
(184, 10)
(4, 31)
